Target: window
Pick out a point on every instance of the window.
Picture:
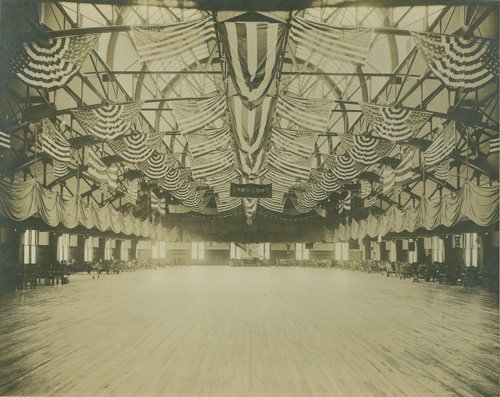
(29, 246)
(63, 248)
(108, 249)
(341, 251)
(235, 251)
(470, 246)
(301, 252)
(437, 245)
(88, 249)
(198, 250)
(412, 255)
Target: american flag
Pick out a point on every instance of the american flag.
(252, 50)
(290, 164)
(212, 164)
(158, 165)
(300, 143)
(53, 142)
(461, 63)
(130, 188)
(132, 148)
(275, 203)
(51, 63)
(96, 170)
(165, 41)
(306, 113)
(110, 121)
(343, 167)
(394, 123)
(387, 181)
(404, 171)
(193, 115)
(209, 140)
(441, 146)
(340, 44)
(226, 204)
(60, 168)
(4, 140)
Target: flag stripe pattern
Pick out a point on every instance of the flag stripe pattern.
(132, 148)
(60, 168)
(53, 142)
(395, 124)
(442, 171)
(51, 63)
(159, 42)
(343, 167)
(96, 169)
(252, 50)
(108, 122)
(300, 143)
(290, 164)
(404, 171)
(365, 149)
(340, 44)
(441, 146)
(494, 144)
(387, 181)
(306, 113)
(4, 140)
(461, 63)
(209, 140)
(193, 115)
(130, 188)
(212, 164)
(365, 188)
(370, 201)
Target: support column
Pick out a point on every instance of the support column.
(133, 249)
(117, 251)
(400, 254)
(80, 248)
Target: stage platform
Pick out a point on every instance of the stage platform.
(249, 331)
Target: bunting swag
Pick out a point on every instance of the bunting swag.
(207, 141)
(251, 131)
(404, 172)
(275, 203)
(193, 115)
(252, 50)
(290, 164)
(395, 124)
(159, 42)
(158, 165)
(132, 148)
(51, 63)
(339, 44)
(329, 183)
(281, 182)
(343, 167)
(212, 164)
(227, 204)
(300, 143)
(53, 142)
(60, 169)
(221, 181)
(108, 122)
(441, 146)
(370, 201)
(365, 149)
(461, 63)
(365, 189)
(478, 204)
(21, 200)
(309, 114)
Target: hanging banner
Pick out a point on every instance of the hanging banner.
(251, 190)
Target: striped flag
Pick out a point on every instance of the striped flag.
(340, 44)
(394, 123)
(95, 167)
(300, 143)
(212, 164)
(461, 63)
(132, 148)
(53, 142)
(275, 203)
(193, 115)
(281, 181)
(290, 164)
(227, 204)
(159, 42)
(130, 188)
(110, 121)
(494, 144)
(442, 171)
(343, 167)
(51, 63)
(306, 113)
(404, 171)
(112, 177)
(209, 140)
(345, 204)
(365, 188)
(370, 201)
(252, 50)
(365, 149)
(158, 165)
(4, 140)
(441, 146)
(60, 168)
(387, 181)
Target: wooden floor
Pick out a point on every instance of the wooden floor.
(222, 331)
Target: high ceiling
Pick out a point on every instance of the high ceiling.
(251, 98)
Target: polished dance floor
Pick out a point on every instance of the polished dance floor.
(222, 331)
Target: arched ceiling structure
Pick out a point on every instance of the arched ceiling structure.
(166, 160)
